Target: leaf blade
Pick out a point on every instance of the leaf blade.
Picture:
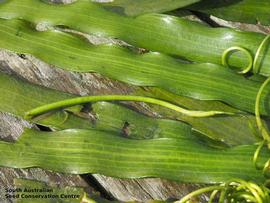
(151, 69)
(245, 11)
(134, 8)
(156, 32)
(20, 96)
(80, 151)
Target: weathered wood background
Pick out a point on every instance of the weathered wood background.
(40, 73)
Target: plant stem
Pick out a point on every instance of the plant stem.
(83, 100)
(199, 192)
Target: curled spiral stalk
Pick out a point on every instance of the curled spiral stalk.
(241, 191)
(253, 63)
(263, 131)
(235, 191)
(254, 66)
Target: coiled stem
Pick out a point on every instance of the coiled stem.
(255, 66)
(229, 51)
(232, 192)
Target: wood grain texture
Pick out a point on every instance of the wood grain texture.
(242, 26)
(145, 189)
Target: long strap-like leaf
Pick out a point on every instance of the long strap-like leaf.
(155, 32)
(201, 81)
(138, 7)
(18, 96)
(246, 11)
(87, 151)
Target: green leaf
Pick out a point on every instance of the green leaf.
(156, 32)
(200, 81)
(112, 117)
(232, 130)
(245, 11)
(18, 96)
(91, 151)
(138, 7)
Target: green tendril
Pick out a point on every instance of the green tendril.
(83, 100)
(257, 153)
(256, 67)
(240, 190)
(263, 131)
(229, 51)
(86, 199)
(213, 196)
(199, 192)
(232, 192)
(266, 168)
(259, 122)
(223, 193)
(254, 64)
